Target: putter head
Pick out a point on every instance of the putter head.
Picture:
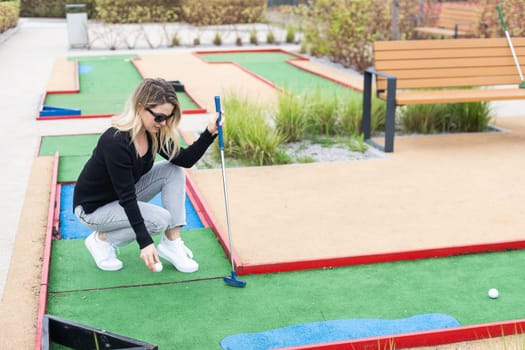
(522, 85)
(232, 281)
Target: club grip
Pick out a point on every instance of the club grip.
(501, 19)
(219, 127)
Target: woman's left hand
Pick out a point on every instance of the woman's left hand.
(212, 124)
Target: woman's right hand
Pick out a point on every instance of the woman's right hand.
(149, 255)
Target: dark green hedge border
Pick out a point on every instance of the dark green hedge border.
(195, 12)
(8, 15)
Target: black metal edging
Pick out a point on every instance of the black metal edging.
(390, 119)
(56, 330)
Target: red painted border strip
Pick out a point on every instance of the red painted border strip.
(47, 254)
(298, 56)
(427, 338)
(208, 220)
(380, 258)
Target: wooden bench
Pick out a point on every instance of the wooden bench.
(455, 20)
(440, 71)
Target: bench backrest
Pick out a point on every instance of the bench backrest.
(467, 17)
(449, 62)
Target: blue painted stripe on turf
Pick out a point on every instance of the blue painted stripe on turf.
(71, 228)
(336, 330)
(84, 68)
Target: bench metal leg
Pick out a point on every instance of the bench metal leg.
(390, 121)
(366, 119)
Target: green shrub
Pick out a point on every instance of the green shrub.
(344, 30)
(214, 12)
(290, 119)
(217, 39)
(270, 37)
(321, 113)
(238, 41)
(137, 11)
(290, 34)
(438, 118)
(298, 118)
(514, 13)
(247, 135)
(8, 15)
(53, 8)
(421, 119)
(253, 37)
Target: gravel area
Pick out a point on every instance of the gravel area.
(303, 152)
(336, 153)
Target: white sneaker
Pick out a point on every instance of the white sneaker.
(177, 254)
(103, 253)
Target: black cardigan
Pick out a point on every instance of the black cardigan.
(114, 168)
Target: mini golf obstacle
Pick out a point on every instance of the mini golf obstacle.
(73, 335)
(51, 111)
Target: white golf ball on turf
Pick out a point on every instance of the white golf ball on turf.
(493, 293)
(158, 267)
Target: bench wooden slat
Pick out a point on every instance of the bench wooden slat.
(462, 72)
(425, 54)
(400, 45)
(453, 82)
(479, 63)
(457, 96)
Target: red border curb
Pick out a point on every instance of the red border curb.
(44, 281)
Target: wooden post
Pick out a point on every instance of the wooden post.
(395, 19)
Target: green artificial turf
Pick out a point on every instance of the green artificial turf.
(106, 83)
(72, 267)
(68, 145)
(273, 67)
(198, 314)
(74, 152)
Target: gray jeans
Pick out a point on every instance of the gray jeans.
(164, 178)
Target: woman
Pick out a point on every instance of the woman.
(112, 192)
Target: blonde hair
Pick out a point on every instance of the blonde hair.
(148, 94)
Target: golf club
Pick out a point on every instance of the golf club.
(229, 280)
(502, 20)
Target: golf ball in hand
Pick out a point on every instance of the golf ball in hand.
(493, 293)
(158, 267)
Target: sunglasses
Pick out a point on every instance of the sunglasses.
(159, 117)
